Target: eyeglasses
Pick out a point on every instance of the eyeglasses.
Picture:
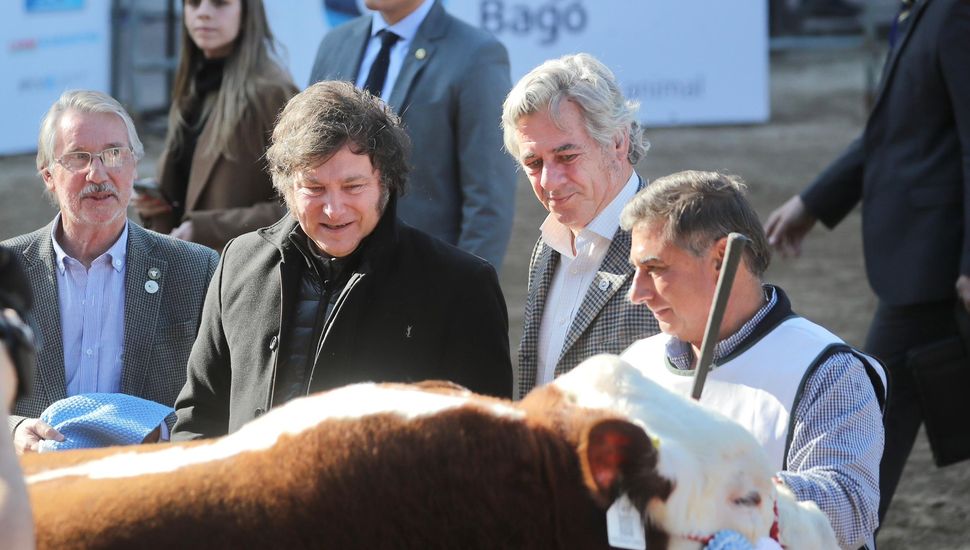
(112, 159)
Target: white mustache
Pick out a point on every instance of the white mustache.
(93, 188)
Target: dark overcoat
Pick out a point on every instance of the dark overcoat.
(414, 309)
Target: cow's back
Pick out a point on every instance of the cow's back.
(478, 475)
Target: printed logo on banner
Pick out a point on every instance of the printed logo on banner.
(35, 6)
(50, 83)
(70, 40)
(548, 21)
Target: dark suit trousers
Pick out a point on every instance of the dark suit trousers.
(895, 330)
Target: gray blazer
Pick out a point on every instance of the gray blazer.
(449, 95)
(160, 328)
(606, 321)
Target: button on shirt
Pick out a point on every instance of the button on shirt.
(92, 306)
(574, 275)
(405, 28)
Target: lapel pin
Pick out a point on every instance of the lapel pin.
(154, 273)
(151, 287)
(420, 53)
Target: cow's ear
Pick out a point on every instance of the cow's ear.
(613, 452)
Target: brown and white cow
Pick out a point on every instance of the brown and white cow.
(720, 475)
(384, 466)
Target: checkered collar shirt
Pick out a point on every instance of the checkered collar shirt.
(681, 354)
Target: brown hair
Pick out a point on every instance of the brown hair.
(250, 68)
(320, 120)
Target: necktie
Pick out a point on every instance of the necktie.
(378, 71)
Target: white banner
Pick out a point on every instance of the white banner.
(48, 46)
(686, 61)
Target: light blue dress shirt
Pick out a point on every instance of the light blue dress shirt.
(92, 306)
(405, 28)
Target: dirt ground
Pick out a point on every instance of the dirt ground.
(818, 107)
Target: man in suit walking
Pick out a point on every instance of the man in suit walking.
(911, 170)
(117, 307)
(446, 80)
(575, 135)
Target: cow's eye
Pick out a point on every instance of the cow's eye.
(751, 499)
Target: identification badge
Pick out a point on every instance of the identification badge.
(624, 525)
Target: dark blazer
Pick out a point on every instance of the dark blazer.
(449, 95)
(911, 165)
(415, 308)
(226, 197)
(159, 328)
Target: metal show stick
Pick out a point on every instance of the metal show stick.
(732, 257)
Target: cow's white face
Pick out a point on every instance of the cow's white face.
(705, 500)
(720, 474)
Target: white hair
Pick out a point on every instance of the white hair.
(81, 101)
(582, 79)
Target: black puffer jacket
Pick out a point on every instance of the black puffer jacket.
(414, 308)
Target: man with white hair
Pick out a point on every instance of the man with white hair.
(577, 139)
(117, 307)
(813, 402)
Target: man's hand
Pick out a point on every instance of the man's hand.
(29, 434)
(183, 231)
(788, 225)
(963, 290)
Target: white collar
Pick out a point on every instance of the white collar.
(405, 28)
(116, 253)
(604, 225)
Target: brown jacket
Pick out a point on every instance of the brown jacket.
(227, 197)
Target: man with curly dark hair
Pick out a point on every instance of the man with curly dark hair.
(340, 291)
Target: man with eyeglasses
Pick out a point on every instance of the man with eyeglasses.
(116, 307)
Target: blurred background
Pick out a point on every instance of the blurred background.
(771, 91)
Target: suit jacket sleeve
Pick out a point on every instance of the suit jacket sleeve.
(202, 406)
(954, 48)
(487, 173)
(839, 188)
(479, 336)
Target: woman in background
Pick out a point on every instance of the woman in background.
(212, 179)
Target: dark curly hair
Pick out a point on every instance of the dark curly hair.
(319, 121)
